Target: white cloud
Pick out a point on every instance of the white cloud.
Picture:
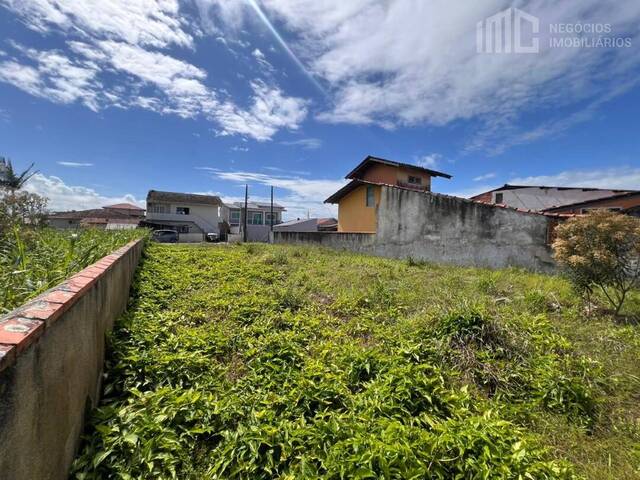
(270, 111)
(429, 161)
(486, 176)
(615, 177)
(75, 164)
(307, 143)
(53, 76)
(408, 62)
(66, 197)
(302, 194)
(262, 60)
(142, 22)
(123, 37)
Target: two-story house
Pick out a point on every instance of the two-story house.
(358, 200)
(192, 216)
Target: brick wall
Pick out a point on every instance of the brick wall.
(51, 358)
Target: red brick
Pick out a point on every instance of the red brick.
(78, 284)
(7, 356)
(58, 296)
(20, 332)
(92, 272)
(42, 310)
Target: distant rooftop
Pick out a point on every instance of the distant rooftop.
(192, 198)
(125, 206)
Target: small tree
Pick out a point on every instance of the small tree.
(601, 250)
(21, 208)
(9, 179)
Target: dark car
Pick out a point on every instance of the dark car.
(165, 236)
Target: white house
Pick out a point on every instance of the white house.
(191, 215)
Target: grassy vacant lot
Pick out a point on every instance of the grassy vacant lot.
(263, 361)
(32, 260)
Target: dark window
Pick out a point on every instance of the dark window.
(235, 217)
(270, 220)
(371, 196)
(415, 180)
(499, 198)
(255, 218)
(182, 210)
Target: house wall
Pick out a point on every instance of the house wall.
(205, 217)
(443, 229)
(535, 198)
(353, 213)
(51, 360)
(390, 175)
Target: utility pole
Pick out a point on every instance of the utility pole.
(271, 208)
(244, 219)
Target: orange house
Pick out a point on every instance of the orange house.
(358, 200)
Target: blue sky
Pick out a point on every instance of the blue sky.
(116, 97)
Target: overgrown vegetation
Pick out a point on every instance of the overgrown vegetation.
(32, 260)
(261, 362)
(601, 251)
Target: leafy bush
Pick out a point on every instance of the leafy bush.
(33, 260)
(601, 250)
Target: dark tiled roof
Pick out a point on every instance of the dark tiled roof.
(93, 213)
(157, 196)
(371, 159)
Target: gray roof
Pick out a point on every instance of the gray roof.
(192, 198)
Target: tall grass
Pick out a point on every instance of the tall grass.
(34, 260)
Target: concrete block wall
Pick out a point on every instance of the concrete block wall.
(445, 229)
(51, 359)
(356, 242)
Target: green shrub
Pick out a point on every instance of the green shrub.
(34, 260)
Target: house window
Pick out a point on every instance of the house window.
(371, 196)
(255, 218)
(499, 197)
(270, 220)
(158, 208)
(182, 210)
(183, 229)
(235, 217)
(415, 180)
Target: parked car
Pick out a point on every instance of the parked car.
(165, 236)
(212, 237)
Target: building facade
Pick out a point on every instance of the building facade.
(192, 216)
(358, 200)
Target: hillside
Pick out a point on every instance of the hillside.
(261, 361)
